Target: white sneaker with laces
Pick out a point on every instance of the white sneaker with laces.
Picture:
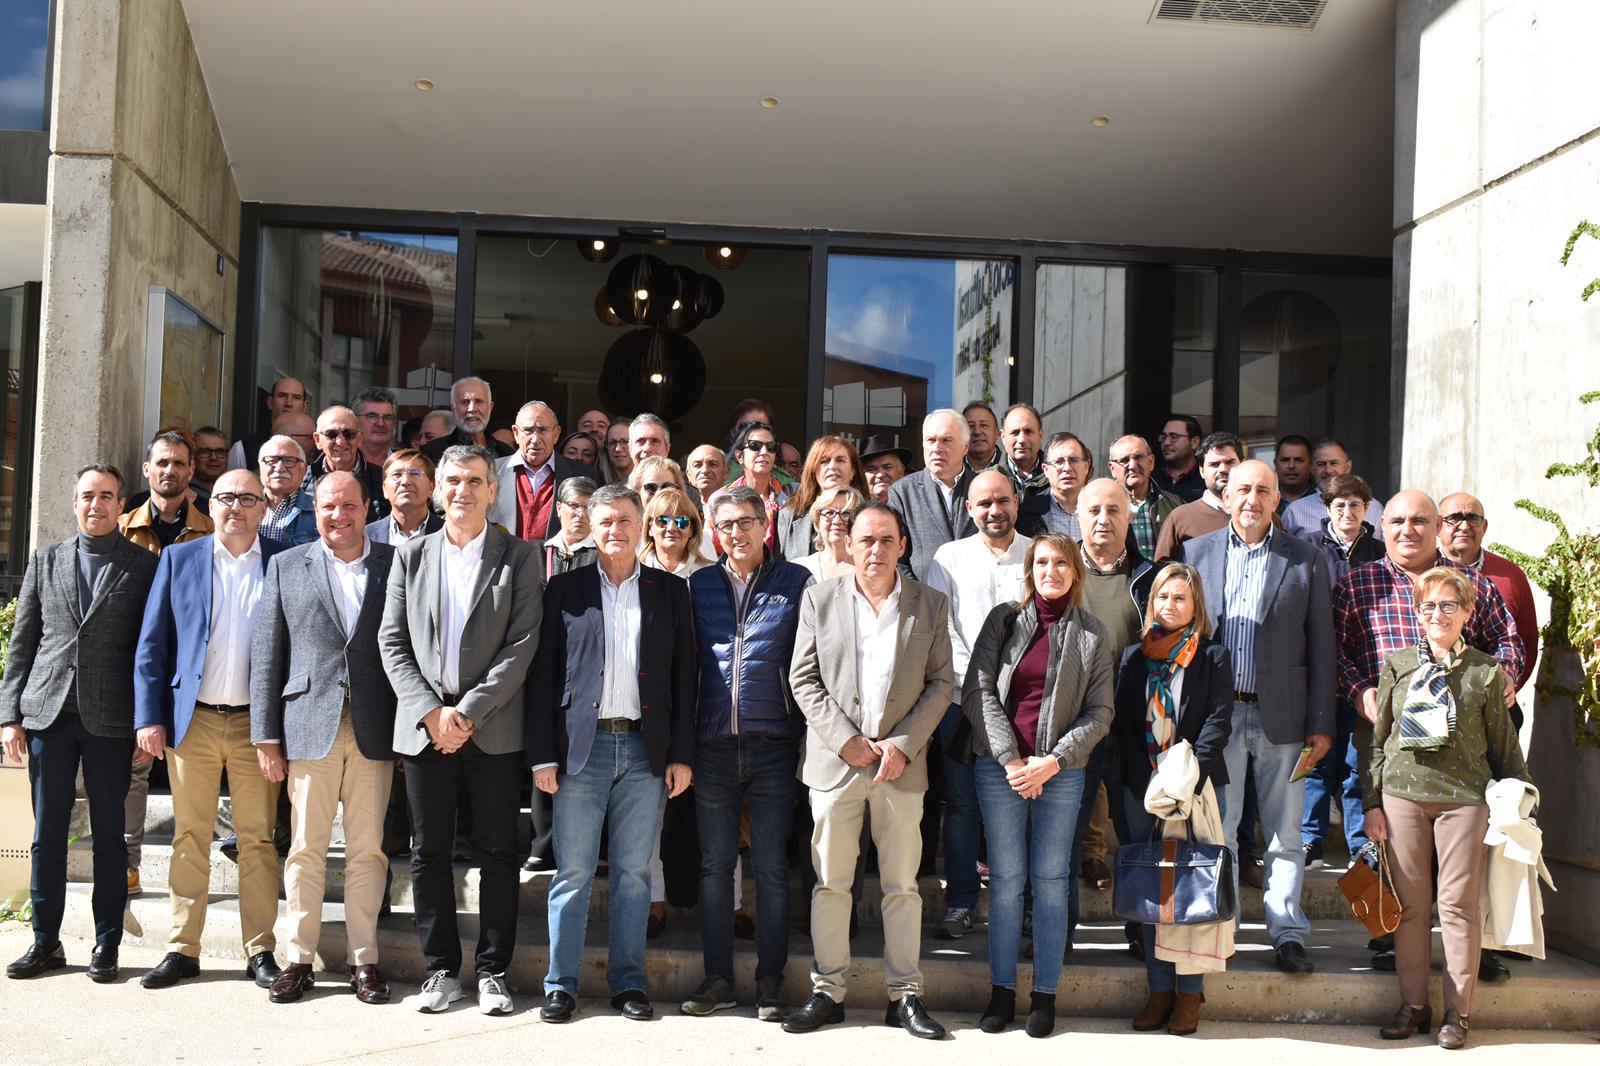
(493, 995)
(957, 923)
(438, 992)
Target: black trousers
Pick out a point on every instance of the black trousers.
(433, 788)
(54, 754)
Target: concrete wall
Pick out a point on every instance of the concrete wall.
(1497, 156)
(140, 194)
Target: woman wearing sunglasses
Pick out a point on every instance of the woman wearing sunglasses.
(756, 452)
(652, 475)
(829, 520)
(671, 531)
(831, 464)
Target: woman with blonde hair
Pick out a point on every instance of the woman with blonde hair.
(831, 463)
(671, 530)
(651, 475)
(829, 520)
(1038, 694)
(1175, 684)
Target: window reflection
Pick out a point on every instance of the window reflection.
(24, 36)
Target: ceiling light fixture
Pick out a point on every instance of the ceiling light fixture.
(769, 102)
(598, 250)
(657, 378)
(1100, 122)
(724, 256)
(424, 85)
(642, 295)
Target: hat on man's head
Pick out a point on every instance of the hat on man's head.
(879, 444)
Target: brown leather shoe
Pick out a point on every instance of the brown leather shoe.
(1096, 874)
(1453, 1030)
(368, 983)
(1408, 1020)
(295, 981)
(1186, 1013)
(1157, 1009)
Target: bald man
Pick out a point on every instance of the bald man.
(1463, 523)
(530, 477)
(1271, 607)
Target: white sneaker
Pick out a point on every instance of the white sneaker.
(438, 992)
(493, 995)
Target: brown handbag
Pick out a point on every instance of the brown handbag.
(1371, 895)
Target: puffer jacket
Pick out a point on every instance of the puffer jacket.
(745, 648)
(1077, 709)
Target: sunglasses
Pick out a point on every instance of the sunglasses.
(338, 434)
(657, 486)
(763, 446)
(671, 521)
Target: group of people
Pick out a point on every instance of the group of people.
(1000, 649)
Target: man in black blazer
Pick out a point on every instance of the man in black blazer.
(67, 699)
(320, 699)
(933, 501)
(610, 711)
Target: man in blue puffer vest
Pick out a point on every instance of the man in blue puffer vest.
(749, 733)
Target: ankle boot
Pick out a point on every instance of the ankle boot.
(1041, 1015)
(1408, 1020)
(1186, 1013)
(1157, 1009)
(1453, 1030)
(1001, 1011)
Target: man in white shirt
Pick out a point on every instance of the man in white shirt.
(872, 675)
(201, 724)
(976, 574)
(322, 716)
(408, 486)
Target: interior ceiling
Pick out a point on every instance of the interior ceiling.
(894, 116)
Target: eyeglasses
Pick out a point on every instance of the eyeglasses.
(832, 514)
(373, 416)
(246, 500)
(1463, 518)
(338, 434)
(275, 461)
(1071, 460)
(400, 477)
(656, 486)
(759, 446)
(671, 521)
(1131, 461)
(211, 453)
(1348, 505)
(1445, 608)
(745, 524)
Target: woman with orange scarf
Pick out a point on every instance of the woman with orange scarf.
(1176, 684)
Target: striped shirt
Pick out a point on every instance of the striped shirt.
(1060, 520)
(1244, 604)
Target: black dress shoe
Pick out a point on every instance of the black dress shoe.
(1384, 961)
(816, 1012)
(173, 967)
(1292, 958)
(634, 1005)
(262, 969)
(103, 965)
(909, 1014)
(36, 960)
(558, 1007)
(1490, 969)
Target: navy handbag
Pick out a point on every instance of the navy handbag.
(1174, 882)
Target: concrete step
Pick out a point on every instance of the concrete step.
(1321, 898)
(1101, 980)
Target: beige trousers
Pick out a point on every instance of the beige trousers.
(215, 742)
(1416, 831)
(316, 789)
(835, 845)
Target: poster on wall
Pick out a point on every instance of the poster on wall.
(984, 290)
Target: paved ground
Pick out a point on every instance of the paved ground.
(64, 1018)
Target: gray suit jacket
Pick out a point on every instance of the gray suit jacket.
(54, 646)
(930, 524)
(508, 469)
(1296, 656)
(823, 677)
(497, 645)
(303, 666)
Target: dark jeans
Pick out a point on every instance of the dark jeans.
(963, 820)
(1336, 775)
(1104, 767)
(728, 773)
(53, 758)
(433, 788)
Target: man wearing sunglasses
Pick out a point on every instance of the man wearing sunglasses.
(338, 448)
(529, 477)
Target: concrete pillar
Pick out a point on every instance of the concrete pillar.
(140, 194)
(1497, 157)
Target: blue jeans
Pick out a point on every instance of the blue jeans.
(1282, 805)
(54, 754)
(1159, 974)
(963, 822)
(1042, 859)
(728, 773)
(1337, 775)
(617, 782)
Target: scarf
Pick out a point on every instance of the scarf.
(1164, 655)
(1428, 718)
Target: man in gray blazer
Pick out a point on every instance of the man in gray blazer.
(459, 631)
(872, 675)
(530, 477)
(1271, 605)
(933, 501)
(67, 700)
(319, 699)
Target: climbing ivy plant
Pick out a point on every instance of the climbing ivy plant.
(1583, 229)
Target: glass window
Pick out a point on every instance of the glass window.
(1080, 352)
(343, 309)
(19, 360)
(1314, 359)
(24, 36)
(908, 336)
(1194, 343)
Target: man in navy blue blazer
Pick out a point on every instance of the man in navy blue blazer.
(191, 700)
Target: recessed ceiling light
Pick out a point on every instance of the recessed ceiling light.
(769, 102)
(424, 85)
(725, 252)
(599, 246)
(1100, 122)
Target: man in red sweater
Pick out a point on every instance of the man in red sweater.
(1462, 526)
